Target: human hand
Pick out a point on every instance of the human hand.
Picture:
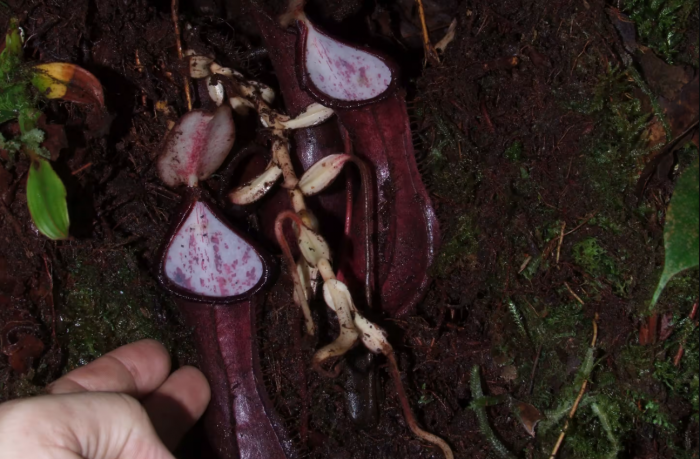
(121, 406)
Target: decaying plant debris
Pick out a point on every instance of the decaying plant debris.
(532, 134)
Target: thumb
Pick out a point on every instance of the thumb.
(90, 425)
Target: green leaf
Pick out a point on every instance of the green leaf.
(681, 230)
(46, 198)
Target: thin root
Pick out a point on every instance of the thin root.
(408, 414)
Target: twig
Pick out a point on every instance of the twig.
(581, 54)
(80, 169)
(582, 223)
(561, 239)
(574, 294)
(487, 118)
(525, 263)
(430, 53)
(534, 368)
(178, 42)
(578, 399)
(679, 354)
(483, 24)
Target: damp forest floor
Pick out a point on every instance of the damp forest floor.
(539, 121)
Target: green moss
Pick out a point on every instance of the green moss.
(606, 223)
(589, 437)
(515, 151)
(518, 320)
(596, 261)
(17, 99)
(678, 296)
(26, 385)
(661, 24)
(452, 175)
(682, 381)
(614, 152)
(108, 301)
(454, 253)
(592, 257)
(15, 96)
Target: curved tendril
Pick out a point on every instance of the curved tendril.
(408, 414)
(298, 287)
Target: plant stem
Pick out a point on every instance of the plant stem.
(561, 239)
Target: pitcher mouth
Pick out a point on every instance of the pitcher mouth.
(339, 74)
(207, 260)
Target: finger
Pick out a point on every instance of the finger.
(82, 425)
(178, 404)
(136, 369)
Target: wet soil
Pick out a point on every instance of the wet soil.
(532, 126)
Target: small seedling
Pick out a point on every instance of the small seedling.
(21, 88)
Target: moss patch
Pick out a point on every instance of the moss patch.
(108, 302)
(661, 24)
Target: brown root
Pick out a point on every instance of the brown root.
(408, 414)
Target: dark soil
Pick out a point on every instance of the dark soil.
(532, 121)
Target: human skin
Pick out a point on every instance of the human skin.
(124, 405)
